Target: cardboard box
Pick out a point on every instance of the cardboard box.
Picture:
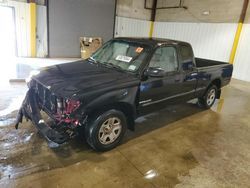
(89, 45)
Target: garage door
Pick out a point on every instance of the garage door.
(71, 19)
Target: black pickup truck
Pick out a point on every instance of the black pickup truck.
(125, 78)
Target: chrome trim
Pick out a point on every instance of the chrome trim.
(142, 102)
(201, 88)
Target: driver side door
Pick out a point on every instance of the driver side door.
(157, 91)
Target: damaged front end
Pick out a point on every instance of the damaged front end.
(66, 114)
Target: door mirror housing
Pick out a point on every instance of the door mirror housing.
(187, 65)
(155, 72)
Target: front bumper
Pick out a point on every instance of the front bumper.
(31, 111)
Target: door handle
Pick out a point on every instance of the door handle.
(194, 74)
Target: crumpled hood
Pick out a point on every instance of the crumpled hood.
(83, 78)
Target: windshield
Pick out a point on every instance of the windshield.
(123, 55)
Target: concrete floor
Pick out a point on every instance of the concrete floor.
(181, 146)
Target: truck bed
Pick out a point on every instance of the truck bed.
(200, 63)
(212, 70)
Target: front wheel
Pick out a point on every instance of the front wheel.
(105, 131)
(209, 97)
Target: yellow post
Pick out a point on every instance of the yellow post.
(151, 29)
(238, 32)
(152, 19)
(33, 29)
(220, 104)
(236, 42)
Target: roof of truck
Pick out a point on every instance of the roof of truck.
(152, 41)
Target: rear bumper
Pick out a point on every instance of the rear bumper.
(31, 111)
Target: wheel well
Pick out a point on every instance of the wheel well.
(217, 83)
(125, 108)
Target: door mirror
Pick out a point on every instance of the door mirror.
(187, 65)
(155, 72)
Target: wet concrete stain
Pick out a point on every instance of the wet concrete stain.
(180, 146)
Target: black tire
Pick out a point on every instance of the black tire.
(93, 130)
(208, 99)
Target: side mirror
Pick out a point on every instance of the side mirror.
(187, 65)
(155, 72)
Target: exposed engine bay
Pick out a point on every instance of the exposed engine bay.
(63, 113)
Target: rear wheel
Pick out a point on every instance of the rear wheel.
(209, 97)
(105, 131)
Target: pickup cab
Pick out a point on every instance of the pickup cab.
(124, 79)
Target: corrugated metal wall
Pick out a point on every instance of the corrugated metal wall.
(22, 22)
(209, 40)
(242, 58)
(128, 27)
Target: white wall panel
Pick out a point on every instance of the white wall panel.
(242, 58)
(128, 27)
(42, 38)
(209, 40)
(22, 23)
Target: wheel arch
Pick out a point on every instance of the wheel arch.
(126, 108)
(217, 83)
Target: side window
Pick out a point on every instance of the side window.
(186, 53)
(165, 58)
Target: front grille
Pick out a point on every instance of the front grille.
(47, 100)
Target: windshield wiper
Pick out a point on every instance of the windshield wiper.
(107, 64)
(114, 66)
(94, 60)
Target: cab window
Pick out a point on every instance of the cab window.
(165, 58)
(186, 53)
